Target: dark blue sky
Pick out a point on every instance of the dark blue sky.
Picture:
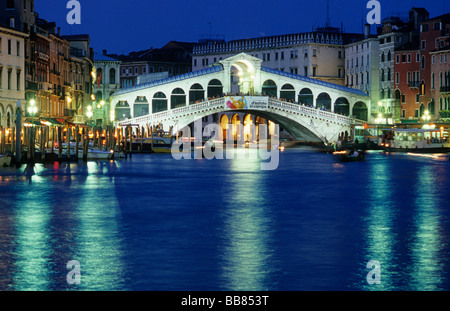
(121, 26)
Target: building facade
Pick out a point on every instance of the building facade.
(174, 58)
(434, 36)
(440, 69)
(12, 74)
(421, 72)
(106, 84)
(362, 69)
(318, 54)
(18, 15)
(82, 77)
(407, 80)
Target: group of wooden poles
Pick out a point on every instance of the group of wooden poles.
(53, 143)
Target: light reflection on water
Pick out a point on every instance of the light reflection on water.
(247, 229)
(155, 223)
(32, 241)
(426, 241)
(381, 235)
(73, 219)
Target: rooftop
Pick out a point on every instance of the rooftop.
(98, 57)
(315, 81)
(181, 77)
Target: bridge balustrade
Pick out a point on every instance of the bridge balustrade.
(220, 102)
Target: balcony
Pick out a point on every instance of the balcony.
(414, 84)
(43, 56)
(69, 112)
(45, 86)
(445, 89)
(31, 86)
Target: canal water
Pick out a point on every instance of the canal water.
(154, 223)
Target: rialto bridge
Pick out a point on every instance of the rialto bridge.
(238, 90)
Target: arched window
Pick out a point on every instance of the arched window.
(196, 94)
(159, 102)
(112, 76)
(269, 88)
(98, 96)
(287, 92)
(360, 111)
(305, 97)
(342, 106)
(431, 107)
(323, 102)
(122, 111)
(215, 88)
(99, 76)
(178, 98)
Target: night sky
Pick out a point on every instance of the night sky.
(132, 25)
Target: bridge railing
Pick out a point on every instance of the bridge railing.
(150, 118)
(313, 112)
(220, 102)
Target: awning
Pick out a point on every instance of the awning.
(50, 121)
(31, 121)
(42, 121)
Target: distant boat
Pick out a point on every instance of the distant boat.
(349, 156)
(95, 154)
(160, 144)
(92, 153)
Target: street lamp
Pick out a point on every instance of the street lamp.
(89, 112)
(378, 121)
(32, 110)
(426, 117)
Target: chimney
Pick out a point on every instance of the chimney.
(104, 52)
(366, 31)
(59, 31)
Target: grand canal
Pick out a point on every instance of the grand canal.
(154, 223)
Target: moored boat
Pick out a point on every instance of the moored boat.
(417, 141)
(161, 144)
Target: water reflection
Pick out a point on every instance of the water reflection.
(426, 270)
(98, 242)
(230, 232)
(247, 249)
(74, 219)
(381, 237)
(32, 240)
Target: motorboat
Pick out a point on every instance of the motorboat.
(417, 141)
(161, 144)
(350, 155)
(92, 153)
